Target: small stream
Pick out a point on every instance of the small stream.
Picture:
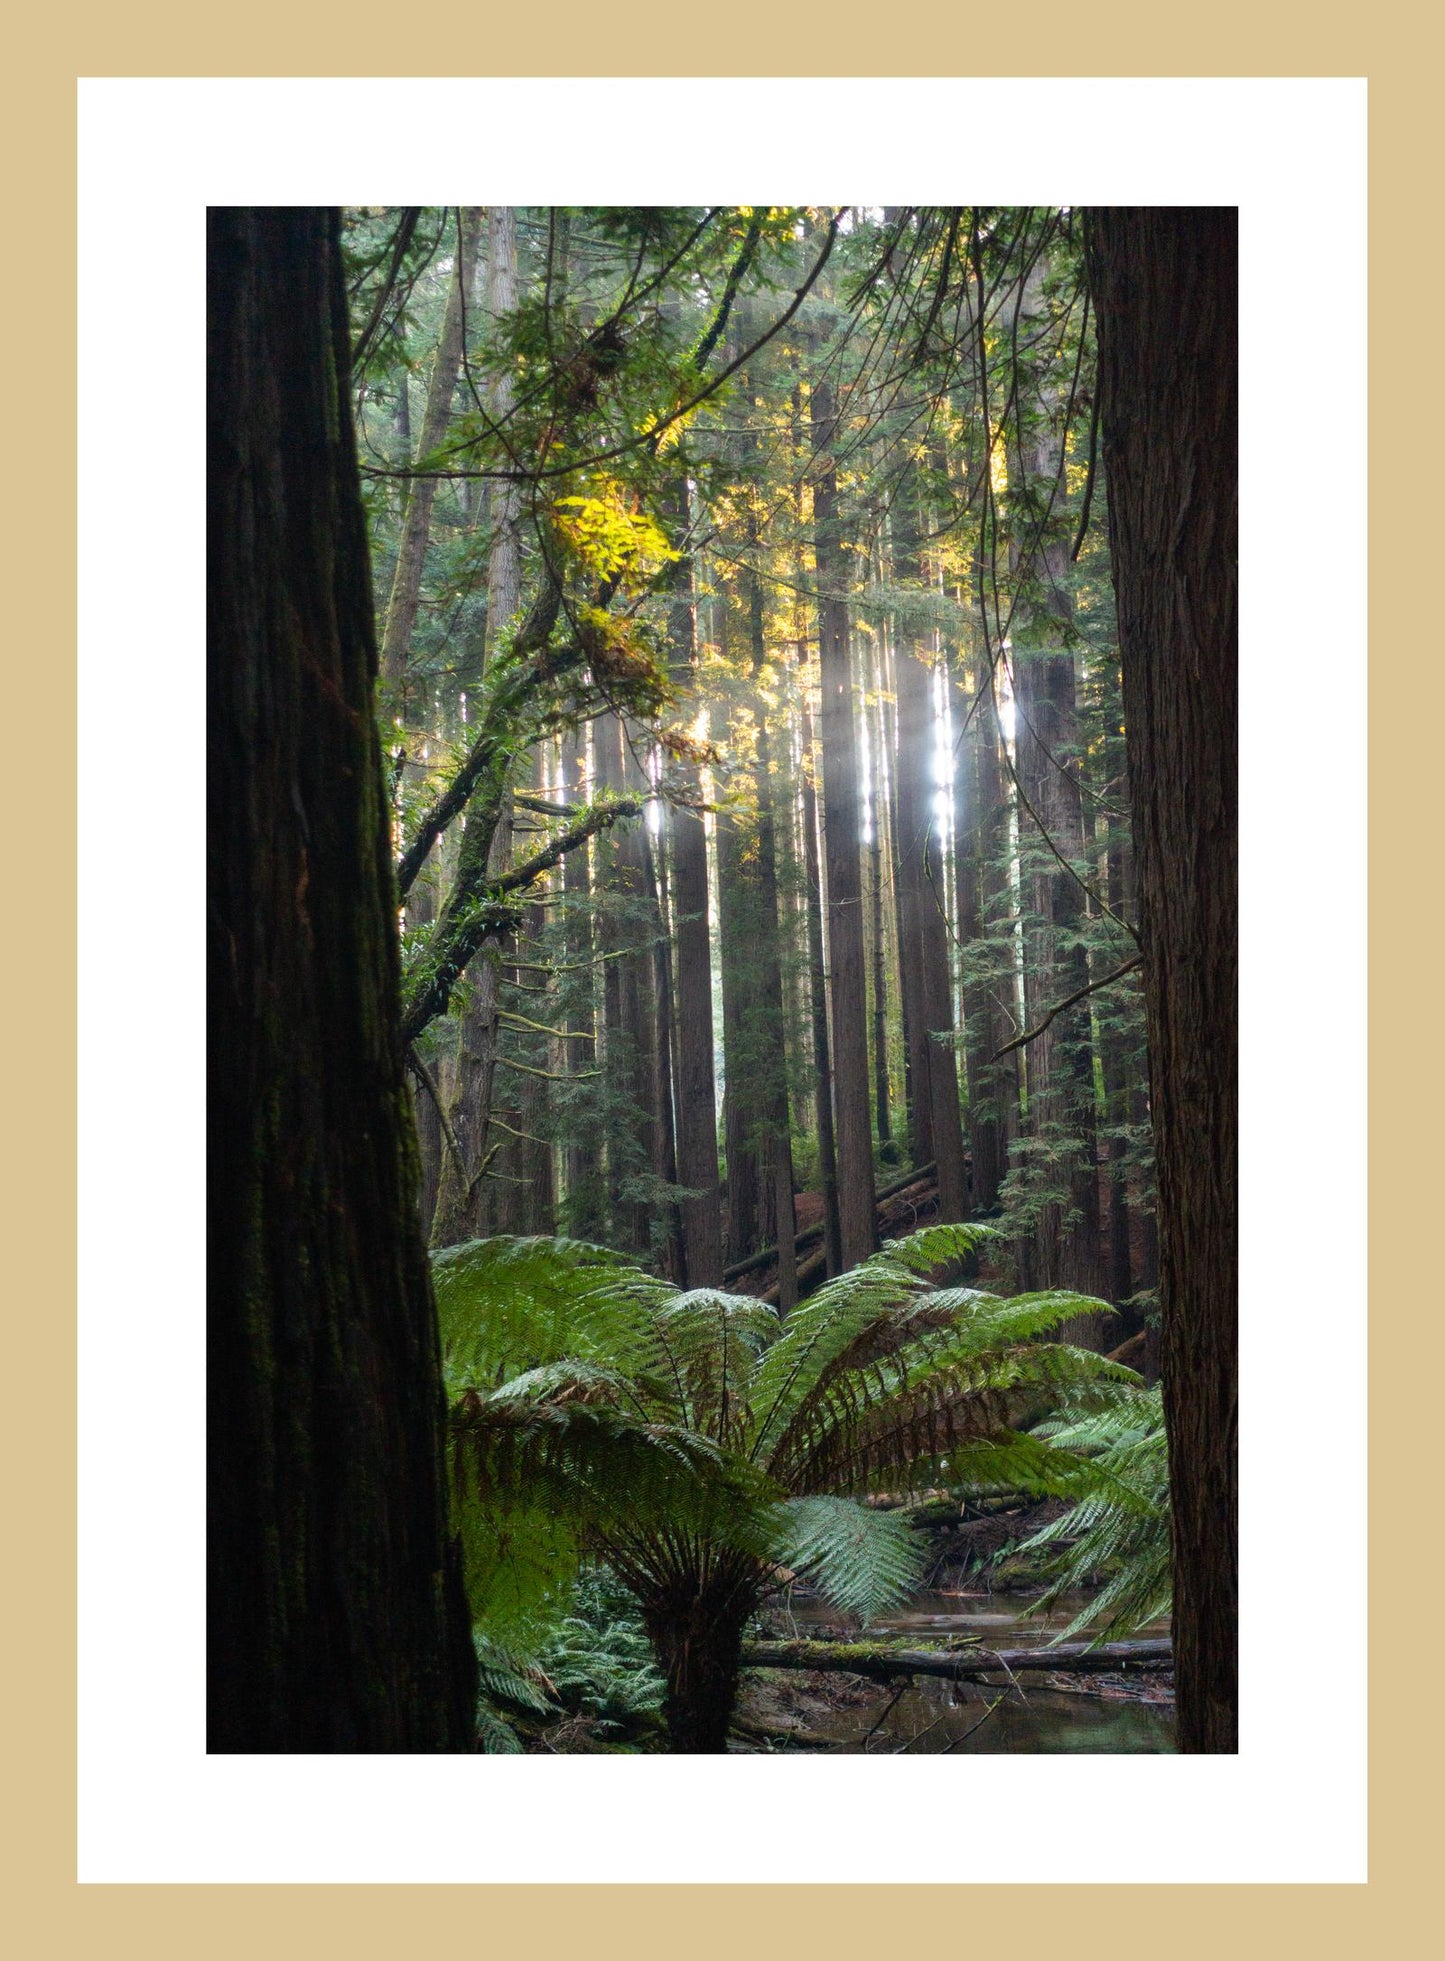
(973, 1719)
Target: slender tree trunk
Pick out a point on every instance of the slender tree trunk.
(1063, 1247)
(848, 1021)
(336, 1620)
(411, 551)
(628, 1016)
(1060, 1062)
(647, 1015)
(577, 1007)
(403, 431)
(697, 1164)
(479, 1196)
(773, 1076)
(664, 1151)
(993, 1095)
(787, 829)
(877, 944)
(421, 906)
(748, 1192)
(1113, 1065)
(921, 874)
(905, 926)
(817, 979)
(1165, 285)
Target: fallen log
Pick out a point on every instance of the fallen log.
(814, 1268)
(809, 1233)
(973, 1664)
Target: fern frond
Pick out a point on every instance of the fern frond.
(934, 1247)
(496, 1735)
(504, 1675)
(922, 1402)
(712, 1342)
(1122, 1524)
(850, 1321)
(862, 1561)
(506, 1305)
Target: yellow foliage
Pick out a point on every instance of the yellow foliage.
(610, 539)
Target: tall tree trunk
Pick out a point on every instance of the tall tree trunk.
(848, 1021)
(818, 995)
(1113, 1065)
(877, 940)
(988, 974)
(401, 608)
(336, 1620)
(1063, 1247)
(629, 1020)
(665, 1049)
(421, 908)
(772, 1087)
(749, 1195)
(1165, 285)
(921, 874)
(697, 1164)
(478, 1196)
(586, 1196)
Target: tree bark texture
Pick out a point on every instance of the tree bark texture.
(1165, 289)
(336, 1621)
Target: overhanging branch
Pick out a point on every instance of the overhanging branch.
(485, 913)
(1032, 1034)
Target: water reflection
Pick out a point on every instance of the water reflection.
(967, 1719)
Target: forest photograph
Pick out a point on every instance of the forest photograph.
(722, 970)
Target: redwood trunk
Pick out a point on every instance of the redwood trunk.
(336, 1620)
(1165, 287)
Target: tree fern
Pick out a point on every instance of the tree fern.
(1121, 1527)
(702, 1447)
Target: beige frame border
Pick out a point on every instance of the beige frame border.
(271, 38)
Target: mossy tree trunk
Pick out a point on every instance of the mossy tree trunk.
(336, 1620)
